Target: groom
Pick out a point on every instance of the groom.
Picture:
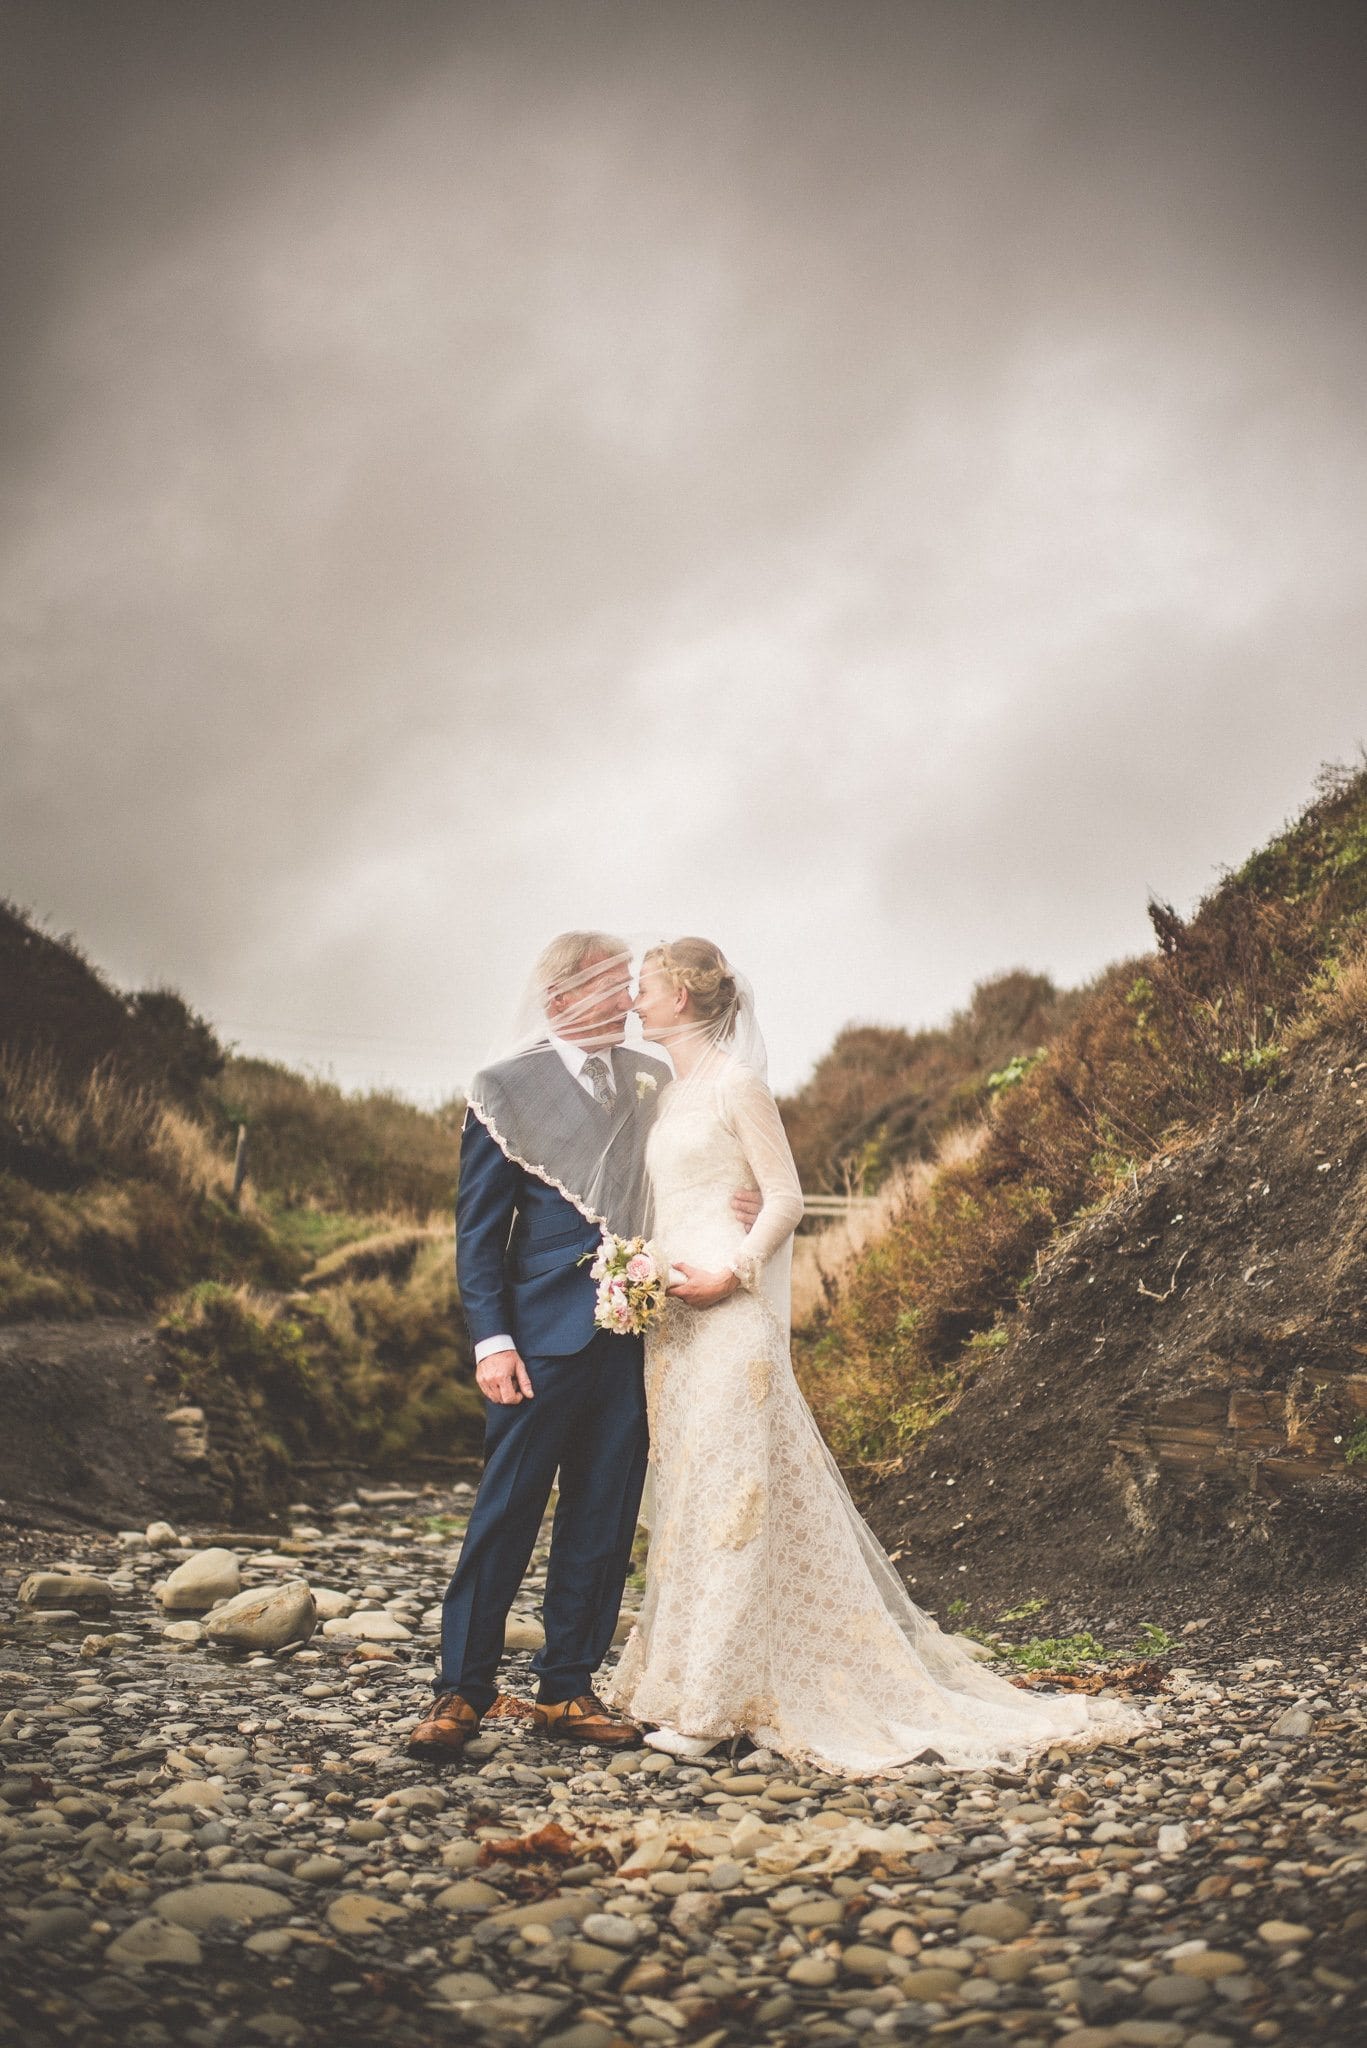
(562, 1394)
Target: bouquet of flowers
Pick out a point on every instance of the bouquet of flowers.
(632, 1282)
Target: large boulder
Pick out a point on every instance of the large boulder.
(195, 1585)
(75, 1590)
(265, 1617)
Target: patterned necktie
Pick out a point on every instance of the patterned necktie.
(596, 1070)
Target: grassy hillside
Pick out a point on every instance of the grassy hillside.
(1156, 1052)
(327, 1295)
(1176, 1422)
(313, 1144)
(118, 1119)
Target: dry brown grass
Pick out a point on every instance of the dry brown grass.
(373, 1366)
(380, 1255)
(826, 1262)
(110, 1195)
(1160, 1047)
(68, 1129)
(309, 1142)
(1338, 998)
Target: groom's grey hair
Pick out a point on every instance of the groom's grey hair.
(567, 956)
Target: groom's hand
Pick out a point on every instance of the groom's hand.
(699, 1288)
(502, 1377)
(746, 1204)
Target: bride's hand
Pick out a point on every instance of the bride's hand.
(701, 1289)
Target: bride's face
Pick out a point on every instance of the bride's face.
(659, 1005)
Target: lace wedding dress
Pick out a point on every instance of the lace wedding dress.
(769, 1606)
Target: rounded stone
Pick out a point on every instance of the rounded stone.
(523, 1634)
(75, 1590)
(369, 1624)
(331, 1603)
(49, 1926)
(816, 1913)
(813, 1973)
(151, 1940)
(192, 1792)
(207, 1576)
(931, 1984)
(469, 1895)
(1284, 1933)
(1011, 1965)
(862, 1959)
(271, 1941)
(458, 1985)
(265, 1617)
(614, 1930)
(592, 1958)
(1174, 1994)
(195, 1906)
(694, 1912)
(183, 1632)
(460, 1855)
(584, 2034)
(998, 1921)
(1209, 1963)
(362, 1913)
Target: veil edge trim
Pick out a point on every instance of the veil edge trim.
(481, 1115)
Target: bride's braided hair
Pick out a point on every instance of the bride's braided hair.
(701, 968)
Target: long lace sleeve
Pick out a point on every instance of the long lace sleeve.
(753, 1115)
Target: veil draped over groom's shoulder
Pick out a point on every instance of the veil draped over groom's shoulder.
(570, 1092)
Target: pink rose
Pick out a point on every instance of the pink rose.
(642, 1267)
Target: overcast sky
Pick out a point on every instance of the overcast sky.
(881, 485)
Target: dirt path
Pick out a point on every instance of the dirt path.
(85, 1441)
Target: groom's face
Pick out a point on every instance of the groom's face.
(594, 1011)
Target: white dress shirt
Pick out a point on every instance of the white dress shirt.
(574, 1057)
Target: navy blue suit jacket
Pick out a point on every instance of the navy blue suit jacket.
(519, 1242)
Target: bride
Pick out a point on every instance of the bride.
(770, 1609)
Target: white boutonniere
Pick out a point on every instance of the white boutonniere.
(646, 1084)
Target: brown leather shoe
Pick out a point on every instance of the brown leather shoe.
(442, 1733)
(583, 1719)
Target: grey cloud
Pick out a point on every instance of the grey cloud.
(774, 470)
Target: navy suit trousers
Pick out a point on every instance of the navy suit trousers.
(586, 1419)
